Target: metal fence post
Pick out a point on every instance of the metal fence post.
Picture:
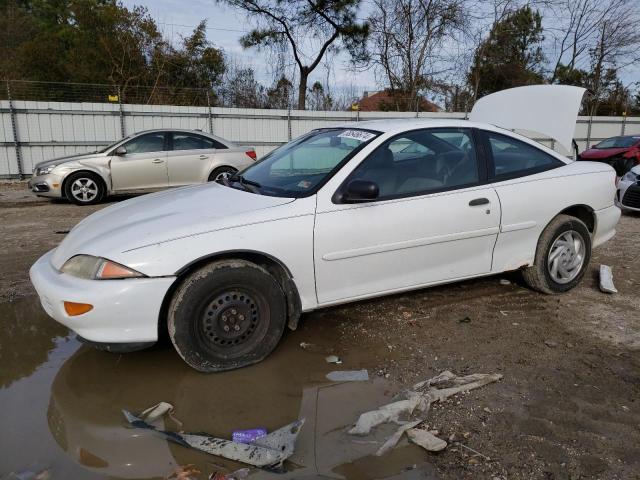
(14, 128)
(123, 131)
(623, 128)
(589, 131)
(209, 113)
(289, 121)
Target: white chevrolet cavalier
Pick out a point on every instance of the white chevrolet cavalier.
(340, 214)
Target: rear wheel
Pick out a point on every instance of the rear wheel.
(84, 188)
(562, 256)
(221, 172)
(226, 315)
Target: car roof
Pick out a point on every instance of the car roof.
(186, 130)
(398, 125)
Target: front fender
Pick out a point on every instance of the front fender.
(288, 239)
(103, 170)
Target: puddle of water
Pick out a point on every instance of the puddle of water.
(61, 407)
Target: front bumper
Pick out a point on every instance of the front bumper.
(124, 311)
(49, 185)
(628, 196)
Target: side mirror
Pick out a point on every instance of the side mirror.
(361, 191)
(121, 150)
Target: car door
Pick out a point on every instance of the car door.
(143, 166)
(190, 158)
(434, 219)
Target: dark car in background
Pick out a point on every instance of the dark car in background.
(622, 153)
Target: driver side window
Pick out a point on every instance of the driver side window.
(149, 142)
(420, 162)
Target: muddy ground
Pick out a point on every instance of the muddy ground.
(568, 405)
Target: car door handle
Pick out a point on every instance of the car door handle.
(158, 160)
(478, 201)
(204, 157)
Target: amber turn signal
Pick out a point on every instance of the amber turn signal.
(110, 270)
(74, 309)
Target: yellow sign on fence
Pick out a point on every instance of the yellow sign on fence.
(113, 98)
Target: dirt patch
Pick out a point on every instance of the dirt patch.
(567, 406)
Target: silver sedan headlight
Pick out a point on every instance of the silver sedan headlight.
(630, 177)
(89, 267)
(44, 170)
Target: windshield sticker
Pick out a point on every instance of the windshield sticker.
(304, 184)
(359, 135)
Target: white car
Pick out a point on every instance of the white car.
(145, 161)
(628, 196)
(336, 216)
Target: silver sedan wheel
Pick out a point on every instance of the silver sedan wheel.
(84, 189)
(566, 257)
(222, 175)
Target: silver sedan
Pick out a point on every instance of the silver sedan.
(145, 161)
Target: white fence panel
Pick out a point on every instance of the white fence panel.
(52, 129)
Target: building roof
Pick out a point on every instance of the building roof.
(383, 101)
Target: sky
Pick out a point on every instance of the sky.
(225, 26)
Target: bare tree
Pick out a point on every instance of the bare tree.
(307, 27)
(595, 40)
(616, 46)
(578, 21)
(407, 40)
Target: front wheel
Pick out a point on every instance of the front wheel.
(226, 315)
(562, 256)
(84, 188)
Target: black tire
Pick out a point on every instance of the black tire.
(213, 176)
(95, 188)
(233, 294)
(539, 276)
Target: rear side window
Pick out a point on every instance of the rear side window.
(513, 158)
(189, 141)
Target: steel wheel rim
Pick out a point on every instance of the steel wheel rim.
(222, 175)
(84, 189)
(230, 320)
(566, 257)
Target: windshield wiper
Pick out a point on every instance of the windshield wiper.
(248, 185)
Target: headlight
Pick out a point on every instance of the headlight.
(44, 170)
(97, 268)
(630, 177)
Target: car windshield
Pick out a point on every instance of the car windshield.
(618, 142)
(300, 167)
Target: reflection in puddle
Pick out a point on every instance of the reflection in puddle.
(24, 344)
(81, 398)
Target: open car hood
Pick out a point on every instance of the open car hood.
(551, 110)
